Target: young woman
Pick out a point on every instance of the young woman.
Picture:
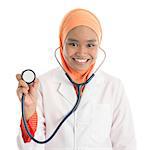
(103, 119)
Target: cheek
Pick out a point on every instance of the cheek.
(67, 52)
(94, 53)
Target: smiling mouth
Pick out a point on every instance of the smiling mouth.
(80, 60)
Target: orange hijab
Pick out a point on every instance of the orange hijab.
(71, 20)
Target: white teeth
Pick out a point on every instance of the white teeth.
(81, 60)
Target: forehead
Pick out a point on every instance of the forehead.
(82, 33)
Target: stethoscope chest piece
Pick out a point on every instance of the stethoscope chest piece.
(28, 76)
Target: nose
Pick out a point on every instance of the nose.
(82, 50)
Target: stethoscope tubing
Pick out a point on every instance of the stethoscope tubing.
(79, 86)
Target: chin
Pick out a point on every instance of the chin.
(80, 69)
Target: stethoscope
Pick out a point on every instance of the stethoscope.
(29, 76)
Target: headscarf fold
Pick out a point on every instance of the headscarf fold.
(72, 19)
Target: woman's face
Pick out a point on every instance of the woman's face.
(80, 48)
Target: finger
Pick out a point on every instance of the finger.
(18, 77)
(36, 80)
(33, 87)
(23, 84)
(36, 83)
(25, 91)
(20, 91)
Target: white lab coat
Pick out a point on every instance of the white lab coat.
(103, 120)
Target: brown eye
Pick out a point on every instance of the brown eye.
(73, 44)
(90, 45)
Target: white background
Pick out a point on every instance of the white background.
(29, 35)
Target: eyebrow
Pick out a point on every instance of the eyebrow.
(74, 40)
(93, 40)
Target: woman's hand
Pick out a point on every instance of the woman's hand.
(30, 92)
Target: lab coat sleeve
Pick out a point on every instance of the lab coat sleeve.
(40, 132)
(122, 130)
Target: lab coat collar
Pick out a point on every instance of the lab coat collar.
(66, 89)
